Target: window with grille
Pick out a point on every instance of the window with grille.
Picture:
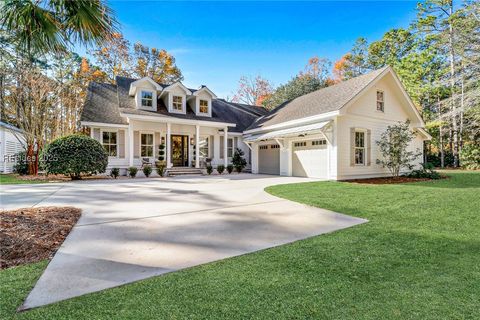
(147, 99)
(146, 145)
(203, 106)
(319, 142)
(359, 147)
(380, 101)
(177, 103)
(109, 141)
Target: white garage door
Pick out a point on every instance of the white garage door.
(310, 158)
(269, 159)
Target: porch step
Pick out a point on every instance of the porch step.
(172, 172)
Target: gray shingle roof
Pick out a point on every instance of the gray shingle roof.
(101, 104)
(321, 101)
(105, 102)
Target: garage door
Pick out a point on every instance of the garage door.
(310, 158)
(269, 159)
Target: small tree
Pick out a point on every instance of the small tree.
(393, 146)
(74, 155)
(238, 160)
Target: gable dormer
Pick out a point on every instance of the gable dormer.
(175, 97)
(201, 101)
(145, 91)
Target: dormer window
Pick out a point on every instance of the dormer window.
(203, 106)
(177, 103)
(380, 101)
(147, 99)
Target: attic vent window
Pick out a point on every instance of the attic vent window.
(147, 99)
(177, 103)
(203, 106)
(380, 101)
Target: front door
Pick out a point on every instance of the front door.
(180, 151)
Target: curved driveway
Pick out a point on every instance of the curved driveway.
(135, 229)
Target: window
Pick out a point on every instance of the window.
(109, 141)
(203, 146)
(274, 146)
(300, 144)
(203, 106)
(230, 148)
(319, 142)
(177, 103)
(380, 101)
(263, 147)
(146, 145)
(359, 148)
(147, 99)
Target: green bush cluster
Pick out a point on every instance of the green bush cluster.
(470, 156)
(147, 170)
(115, 172)
(209, 170)
(427, 171)
(238, 160)
(220, 168)
(230, 168)
(74, 155)
(132, 172)
(161, 169)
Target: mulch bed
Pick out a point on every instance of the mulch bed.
(59, 177)
(33, 234)
(388, 180)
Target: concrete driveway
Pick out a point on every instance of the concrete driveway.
(135, 229)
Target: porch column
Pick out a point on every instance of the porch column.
(130, 146)
(225, 146)
(168, 151)
(197, 146)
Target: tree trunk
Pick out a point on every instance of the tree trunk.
(452, 88)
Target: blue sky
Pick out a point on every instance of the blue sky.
(215, 43)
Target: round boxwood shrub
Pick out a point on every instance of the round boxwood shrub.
(147, 171)
(75, 155)
(220, 168)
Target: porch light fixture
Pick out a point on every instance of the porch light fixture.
(192, 141)
(220, 130)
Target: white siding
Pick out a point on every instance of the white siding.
(9, 147)
(363, 114)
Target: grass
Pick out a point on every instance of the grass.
(13, 179)
(417, 258)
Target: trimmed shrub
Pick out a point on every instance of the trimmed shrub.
(238, 160)
(74, 155)
(147, 171)
(161, 169)
(115, 172)
(470, 157)
(209, 170)
(220, 168)
(132, 172)
(230, 168)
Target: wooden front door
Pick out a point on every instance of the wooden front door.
(179, 151)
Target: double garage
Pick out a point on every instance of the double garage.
(309, 158)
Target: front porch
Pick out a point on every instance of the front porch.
(175, 142)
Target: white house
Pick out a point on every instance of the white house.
(12, 142)
(329, 133)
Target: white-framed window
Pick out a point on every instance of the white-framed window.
(264, 147)
(203, 146)
(146, 145)
(359, 147)
(230, 147)
(203, 106)
(177, 103)
(300, 144)
(380, 101)
(147, 99)
(109, 142)
(274, 146)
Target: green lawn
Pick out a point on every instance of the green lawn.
(417, 258)
(13, 179)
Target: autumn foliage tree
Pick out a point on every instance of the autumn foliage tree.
(253, 91)
(155, 63)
